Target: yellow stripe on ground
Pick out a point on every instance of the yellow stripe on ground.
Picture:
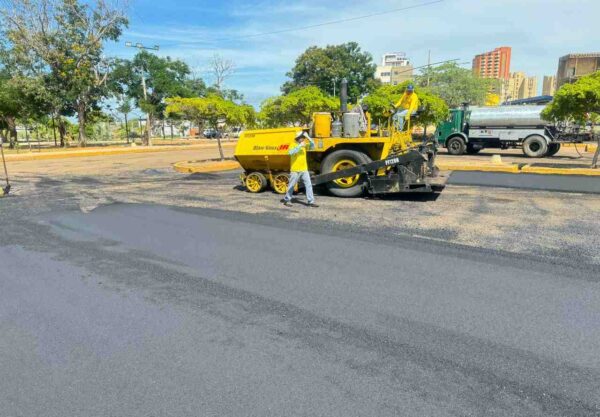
(456, 166)
(191, 167)
(79, 153)
(528, 169)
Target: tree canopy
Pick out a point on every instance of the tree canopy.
(295, 108)
(212, 110)
(576, 102)
(433, 108)
(63, 40)
(149, 79)
(325, 67)
(456, 85)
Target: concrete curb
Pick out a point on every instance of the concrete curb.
(82, 153)
(192, 167)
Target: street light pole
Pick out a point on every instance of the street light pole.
(144, 89)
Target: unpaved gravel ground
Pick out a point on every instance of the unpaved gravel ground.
(556, 225)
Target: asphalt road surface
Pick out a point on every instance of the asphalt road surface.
(144, 310)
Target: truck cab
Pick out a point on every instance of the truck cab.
(452, 133)
(452, 125)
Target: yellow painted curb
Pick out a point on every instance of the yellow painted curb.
(478, 167)
(528, 169)
(82, 153)
(190, 167)
(581, 147)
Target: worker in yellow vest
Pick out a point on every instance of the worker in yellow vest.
(299, 169)
(406, 106)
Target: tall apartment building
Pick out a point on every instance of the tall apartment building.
(573, 66)
(519, 86)
(395, 68)
(493, 64)
(549, 85)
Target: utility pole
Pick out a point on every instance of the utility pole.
(334, 83)
(144, 89)
(428, 66)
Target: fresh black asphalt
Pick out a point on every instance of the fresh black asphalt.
(546, 182)
(142, 310)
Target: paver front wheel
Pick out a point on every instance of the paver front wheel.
(256, 182)
(280, 183)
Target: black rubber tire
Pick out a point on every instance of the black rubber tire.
(535, 146)
(456, 146)
(471, 150)
(327, 166)
(553, 149)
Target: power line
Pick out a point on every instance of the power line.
(316, 25)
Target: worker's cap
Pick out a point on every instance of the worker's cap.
(300, 134)
(410, 88)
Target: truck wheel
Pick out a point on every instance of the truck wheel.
(256, 182)
(553, 149)
(535, 146)
(343, 159)
(456, 146)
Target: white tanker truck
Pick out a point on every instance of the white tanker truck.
(470, 129)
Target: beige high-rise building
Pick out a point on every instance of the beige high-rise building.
(549, 85)
(573, 66)
(395, 68)
(519, 86)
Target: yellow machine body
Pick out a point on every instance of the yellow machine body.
(267, 149)
(322, 125)
(264, 152)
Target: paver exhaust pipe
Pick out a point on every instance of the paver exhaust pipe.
(344, 96)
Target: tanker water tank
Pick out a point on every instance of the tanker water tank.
(506, 116)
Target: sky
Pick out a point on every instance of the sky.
(539, 32)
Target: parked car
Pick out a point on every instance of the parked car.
(211, 133)
(235, 132)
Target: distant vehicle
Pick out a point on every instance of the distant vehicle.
(211, 133)
(471, 129)
(235, 132)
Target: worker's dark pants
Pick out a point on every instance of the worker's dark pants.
(294, 178)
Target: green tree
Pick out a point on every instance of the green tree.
(325, 67)
(124, 107)
(148, 80)
(21, 98)
(456, 85)
(213, 111)
(295, 108)
(66, 39)
(432, 108)
(577, 102)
